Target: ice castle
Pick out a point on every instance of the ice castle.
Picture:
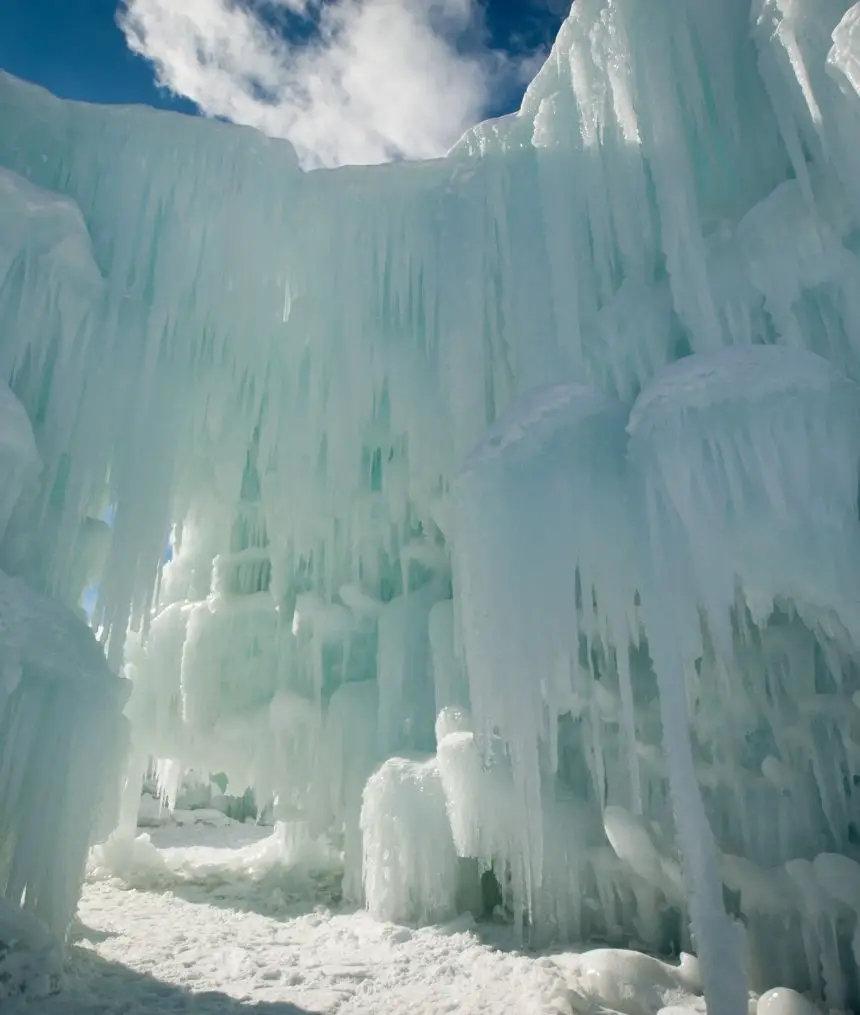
(513, 496)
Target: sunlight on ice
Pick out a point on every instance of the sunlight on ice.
(512, 497)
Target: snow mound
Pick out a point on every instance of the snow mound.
(285, 861)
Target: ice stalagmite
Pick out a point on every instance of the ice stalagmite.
(555, 436)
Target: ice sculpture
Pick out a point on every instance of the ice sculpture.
(559, 432)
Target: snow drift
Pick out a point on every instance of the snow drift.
(560, 431)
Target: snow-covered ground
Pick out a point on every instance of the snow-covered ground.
(195, 934)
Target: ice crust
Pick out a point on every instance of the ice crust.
(558, 434)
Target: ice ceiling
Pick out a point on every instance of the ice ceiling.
(555, 439)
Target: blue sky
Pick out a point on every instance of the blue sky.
(344, 80)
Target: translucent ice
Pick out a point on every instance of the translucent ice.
(19, 458)
(31, 959)
(557, 435)
(410, 865)
(62, 741)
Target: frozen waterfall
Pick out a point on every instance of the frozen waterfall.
(555, 441)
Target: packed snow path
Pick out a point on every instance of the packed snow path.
(316, 960)
(227, 945)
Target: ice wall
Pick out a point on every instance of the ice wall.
(602, 359)
(62, 742)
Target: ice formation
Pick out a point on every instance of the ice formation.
(31, 958)
(62, 743)
(630, 982)
(557, 436)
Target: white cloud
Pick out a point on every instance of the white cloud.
(373, 80)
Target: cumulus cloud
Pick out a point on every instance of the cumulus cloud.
(346, 81)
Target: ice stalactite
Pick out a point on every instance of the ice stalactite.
(555, 436)
(62, 746)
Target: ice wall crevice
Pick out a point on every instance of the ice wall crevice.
(558, 431)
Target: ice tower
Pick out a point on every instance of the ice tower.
(555, 440)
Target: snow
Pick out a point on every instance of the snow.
(203, 934)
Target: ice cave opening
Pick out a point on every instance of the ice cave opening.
(513, 496)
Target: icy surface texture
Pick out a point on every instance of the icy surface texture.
(560, 431)
(19, 458)
(410, 863)
(62, 748)
(31, 959)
